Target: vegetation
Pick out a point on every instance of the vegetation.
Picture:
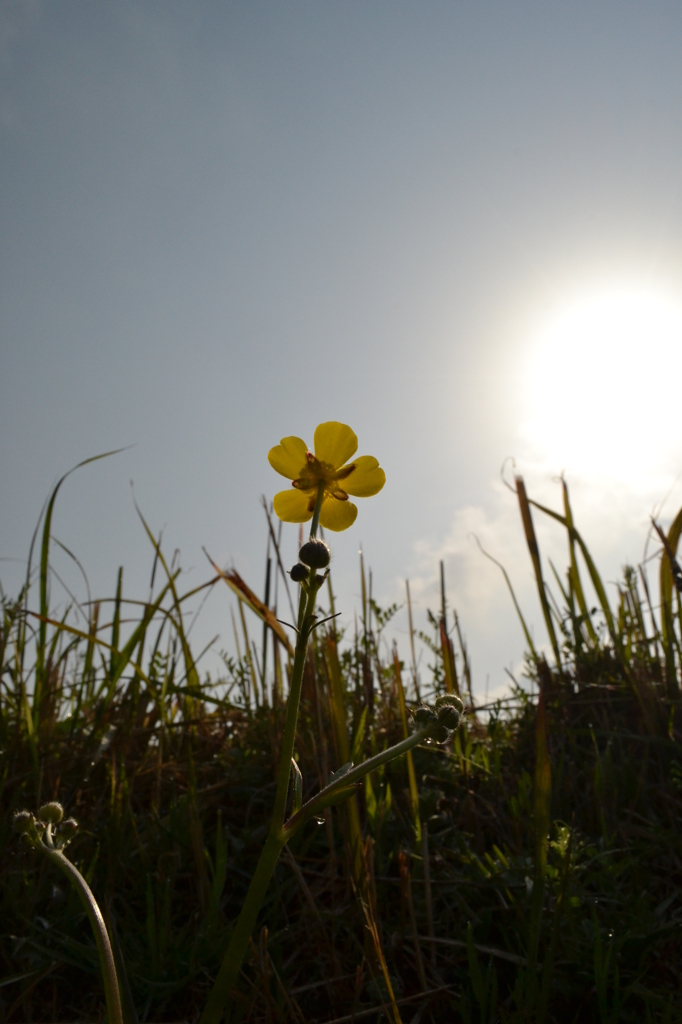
(528, 869)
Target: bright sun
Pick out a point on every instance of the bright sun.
(605, 378)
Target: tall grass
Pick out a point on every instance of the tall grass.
(528, 870)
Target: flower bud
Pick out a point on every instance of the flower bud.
(315, 553)
(449, 700)
(67, 831)
(449, 709)
(424, 716)
(298, 572)
(449, 717)
(23, 822)
(51, 813)
(440, 734)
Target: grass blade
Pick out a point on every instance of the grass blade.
(40, 679)
(531, 541)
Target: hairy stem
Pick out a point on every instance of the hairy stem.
(106, 957)
(326, 795)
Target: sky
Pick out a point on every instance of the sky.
(455, 227)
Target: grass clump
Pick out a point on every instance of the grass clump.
(528, 869)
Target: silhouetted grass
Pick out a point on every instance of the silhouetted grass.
(527, 871)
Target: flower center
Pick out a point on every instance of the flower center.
(315, 471)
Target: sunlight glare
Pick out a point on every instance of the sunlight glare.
(604, 384)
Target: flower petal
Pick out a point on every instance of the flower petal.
(288, 457)
(337, 515)
(366, 479)
(335, 443)
(292, 506)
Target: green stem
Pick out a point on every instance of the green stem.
(236, 950)
(106, 957)
(308, 596)
(279, 833)
(323, 798)
(318, 508)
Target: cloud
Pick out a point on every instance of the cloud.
(612, 517)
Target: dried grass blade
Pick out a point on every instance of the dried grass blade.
(245, 594)
(670, 544)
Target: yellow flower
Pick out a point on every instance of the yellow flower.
(335, 445)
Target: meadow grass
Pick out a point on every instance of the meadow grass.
(526, 870)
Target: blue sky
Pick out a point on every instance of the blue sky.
(222, 223)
